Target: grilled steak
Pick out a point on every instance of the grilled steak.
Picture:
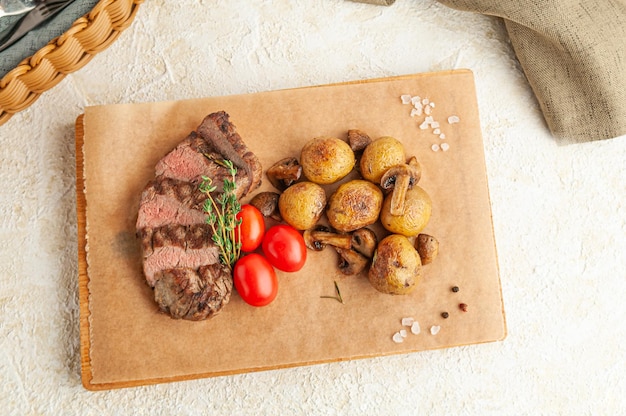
(180, 261)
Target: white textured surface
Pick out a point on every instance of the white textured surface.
(559, 214)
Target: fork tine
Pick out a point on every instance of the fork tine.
(51, 6)
(38, 15)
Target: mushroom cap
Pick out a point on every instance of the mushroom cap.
(284, 173)
(364, 241)
(412, 170)
(351, 262)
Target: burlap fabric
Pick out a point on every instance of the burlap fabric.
(573, 53)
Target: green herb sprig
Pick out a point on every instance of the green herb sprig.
(222, 211)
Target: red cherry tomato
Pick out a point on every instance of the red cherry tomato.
(252, 228)
(255, 280)
(284, 247)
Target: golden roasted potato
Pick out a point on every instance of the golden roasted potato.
(380, 155)
(396, 267)
(415, 216)
(325, 160)
(355, 204)
(302, 204)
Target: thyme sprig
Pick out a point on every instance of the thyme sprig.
(222, 209)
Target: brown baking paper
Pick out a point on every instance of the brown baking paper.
(126, 341)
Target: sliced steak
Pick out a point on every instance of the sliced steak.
(180, 260)
(191, 294)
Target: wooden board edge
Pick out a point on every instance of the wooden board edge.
(83, 276)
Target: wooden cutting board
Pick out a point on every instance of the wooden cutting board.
(126, 342)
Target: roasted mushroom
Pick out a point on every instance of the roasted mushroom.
(399, 179)
(351, 262)
(267, 203)
(355, 250)
(319, 237)
(284, 173)
(428, 248)
(364, 241)
(358, 140)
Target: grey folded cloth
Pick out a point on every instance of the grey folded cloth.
(40, 36)
(573, 53)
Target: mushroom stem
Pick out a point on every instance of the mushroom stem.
(318, 238)
(399, 194)
(333, 239)
(401, 178)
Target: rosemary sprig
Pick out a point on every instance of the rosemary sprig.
(337, 297)
(222, 210)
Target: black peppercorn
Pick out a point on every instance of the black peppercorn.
(445, 315)
(455, 289)
(463, 307)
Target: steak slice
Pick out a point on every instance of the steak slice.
(180, 260)
(193, 294)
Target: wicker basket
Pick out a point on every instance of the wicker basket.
(69, 52)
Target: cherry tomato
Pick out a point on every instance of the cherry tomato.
(255, 280)
(284, 247)
(252, 228)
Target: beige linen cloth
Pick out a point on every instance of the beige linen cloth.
(573, 53)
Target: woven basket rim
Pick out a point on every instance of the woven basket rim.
(65, 54)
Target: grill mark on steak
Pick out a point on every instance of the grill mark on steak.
(176, 245)
(180, 260)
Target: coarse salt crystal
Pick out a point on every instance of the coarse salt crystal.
(415, 100)
(416, 112)
(435, 147)
(453, 119)
(428, 121)
(407, 321)
(397, 338)
(445, 147)
(436, 131)
(406, 99)
(425, 101)
(435, 329)
(434, 124)
(415, 328)
(442, 136)
(431, 104)
(427, 110)
(403, 333)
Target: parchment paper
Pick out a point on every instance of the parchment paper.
(128, 342)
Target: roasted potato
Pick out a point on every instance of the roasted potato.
(396, 267)
(355, 204)
(415, 216)
(379, 156)
(326, 160)
(302, 204)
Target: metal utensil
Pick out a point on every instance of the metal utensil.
(13, 7)
(41, 13)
